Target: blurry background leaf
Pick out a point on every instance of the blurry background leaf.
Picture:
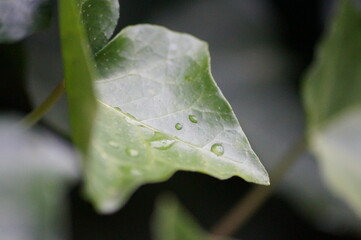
(35, 169)
(181, 120)
(78, 73)
(333, 103)
(19, 18)
(172, 222)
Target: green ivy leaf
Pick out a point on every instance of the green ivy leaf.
(19, 18)
(333, 103)
(172, 222)
(35, 171)
(100, 17)
(159, 111)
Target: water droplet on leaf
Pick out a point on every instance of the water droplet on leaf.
(178, 126)
(130, 115)
(113, 144)
(135, 172)
(132, 152)
(161, 142)
(217, 149)
(193, 118)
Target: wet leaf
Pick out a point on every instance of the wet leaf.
(149, 82)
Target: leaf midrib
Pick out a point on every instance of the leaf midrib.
(170, 136)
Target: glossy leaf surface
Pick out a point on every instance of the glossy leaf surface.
(35, 169)
(159, 111)
(19, 18)
(160, 101)
(333, 103)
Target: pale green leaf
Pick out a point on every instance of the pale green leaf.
(19, 18)
(333, 103)
(172, 222)
(159, 111)
(160, 102)
(35, 171)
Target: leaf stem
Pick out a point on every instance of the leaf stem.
(248, 205)
(35, 115)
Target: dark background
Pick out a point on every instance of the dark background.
(260, 50)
